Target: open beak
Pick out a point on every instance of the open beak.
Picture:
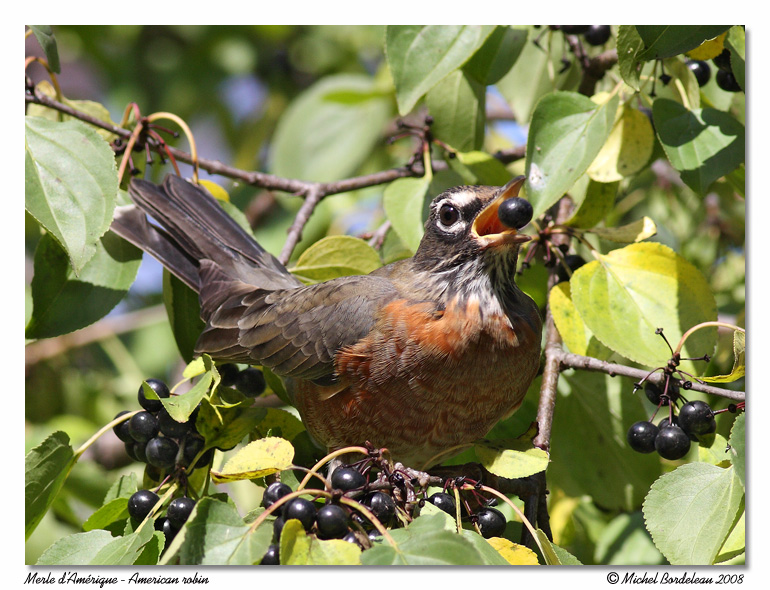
(487, 228)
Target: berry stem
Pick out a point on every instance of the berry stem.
(102, 430)
(705, 325)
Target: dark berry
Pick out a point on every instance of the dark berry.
(597, 34)
(700, 69)
(732, 408)
(382, 506)
(250, 382)
(672, 443)
(726, 81)
(278, 528)
(641, 437)
(333, 522)
(347, 478)
(722, 61)
(351, 537)
(143, 426)
(121, 430)
(301, 509)
(140, 504)
(654, 393)
(152, 473)
(574, 29)
(573, 262)
(491, 522)
(164, 525)
(130, 450)
(140, 451)
(171, 427)
(179, 510)
(696, 417)
(274, 492)
(161, 452)
(271, 557)
(515, 212)
(160, 388)
(444, 502)
(229, 373)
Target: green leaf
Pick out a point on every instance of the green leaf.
(225, 427)
(629, 46)
(534, 75)
(44, 35)
(624, 296)
(735, 544)
(625, 540)
(45, 469)
(321, 139)
(668, 40)
(598, 200)
(549, 549)
(297, 548)
(124, 487)
(563, 557)
(690, 511)
(70, 184)
(77, 549)
(572, 329)
(126, 550)
(738, 447)
(112, 511)
(336, 256)
(497, 55)
(404, 203)
(736, 43)
(628, 147)
(217, 535)
(458, 107)
(479, 168)
(278, 420)
(716, 453)
(702, 144)
(739, 362)
(424, 542)
(595, 458)
(63, 301)
(420, 56)
(636, 231)
(511, 458)
(566, 134)
(257, 459)
(179, 407)
(184, 314)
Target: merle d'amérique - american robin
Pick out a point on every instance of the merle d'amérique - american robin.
(421, 356)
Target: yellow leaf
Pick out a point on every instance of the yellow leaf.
(513, 553)
(627, 149)
(573, 331)
(709, 49)
(739, 362)
(257, 459)
(216, 191)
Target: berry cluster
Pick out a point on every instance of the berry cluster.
(335, 520)
(141, 503)
(331, 520)
(672, 436)
(595, 35)
(152, 436)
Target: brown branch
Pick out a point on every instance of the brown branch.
(569, 360)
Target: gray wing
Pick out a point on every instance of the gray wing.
(294, 332)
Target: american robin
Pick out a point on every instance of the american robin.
(421, 356)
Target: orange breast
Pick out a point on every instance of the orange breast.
(424, 381)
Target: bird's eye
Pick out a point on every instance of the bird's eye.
(448, 215)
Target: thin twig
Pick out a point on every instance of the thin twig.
(570, 360)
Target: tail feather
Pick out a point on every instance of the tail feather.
(194, 228)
